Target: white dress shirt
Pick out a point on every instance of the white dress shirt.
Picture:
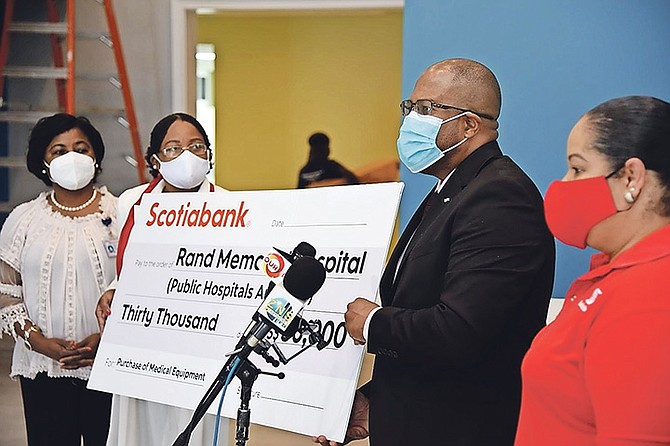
(366, 325)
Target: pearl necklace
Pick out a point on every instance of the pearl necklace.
(73, 208)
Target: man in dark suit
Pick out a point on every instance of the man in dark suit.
(468, 284)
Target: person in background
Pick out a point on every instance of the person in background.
(468, 284)
(56, 257)
(599, 374)
(180, 157)
(320, 167)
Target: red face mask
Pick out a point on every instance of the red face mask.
(573, 208)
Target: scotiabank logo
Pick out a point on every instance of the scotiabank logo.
(202, 216)
(273, 264)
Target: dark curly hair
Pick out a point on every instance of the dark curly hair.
(47, 128)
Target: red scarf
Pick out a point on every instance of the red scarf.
(130, 222)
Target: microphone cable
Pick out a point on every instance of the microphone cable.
(236, 363)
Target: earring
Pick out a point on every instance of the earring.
(628, 196)
(44, 171)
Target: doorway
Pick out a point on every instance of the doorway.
(283, 73)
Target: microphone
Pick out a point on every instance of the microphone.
(281, 307)
(303, 249)
(284, 302)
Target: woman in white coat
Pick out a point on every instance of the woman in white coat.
(180, 156)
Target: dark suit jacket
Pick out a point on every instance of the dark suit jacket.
(471, 292)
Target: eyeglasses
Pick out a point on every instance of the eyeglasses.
(172, 152)
(425, 107)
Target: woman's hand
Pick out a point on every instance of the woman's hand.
(54, 348)
(103, 308)
(82, 353)
(69, 354)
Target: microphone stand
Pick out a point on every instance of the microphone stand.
(206, 401)
(247, 373)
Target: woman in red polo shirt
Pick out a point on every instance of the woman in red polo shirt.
(600, 373)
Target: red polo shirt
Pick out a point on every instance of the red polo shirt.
(600, 373)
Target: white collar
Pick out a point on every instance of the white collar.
(441, 183)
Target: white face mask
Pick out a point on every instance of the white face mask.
(72, 171)
(186, 171)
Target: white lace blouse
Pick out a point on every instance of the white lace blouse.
(53, 269)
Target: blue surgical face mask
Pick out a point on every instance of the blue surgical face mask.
(417, 145)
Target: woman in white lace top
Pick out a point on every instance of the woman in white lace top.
(56, 257)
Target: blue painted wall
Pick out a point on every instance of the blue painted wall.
(554, 59)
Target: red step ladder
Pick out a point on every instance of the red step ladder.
(63, 69)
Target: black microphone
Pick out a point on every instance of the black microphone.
(303, 249)
(284, 302)
(281, 306)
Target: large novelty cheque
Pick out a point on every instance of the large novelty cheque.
(197, 267)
